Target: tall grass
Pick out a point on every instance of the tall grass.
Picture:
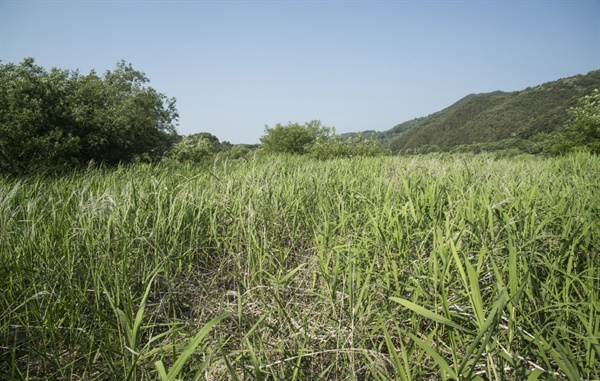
(438, 267)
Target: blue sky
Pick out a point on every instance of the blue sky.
(236, 66)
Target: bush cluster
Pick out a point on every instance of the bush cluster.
(194, 148)
(317, 141)
(335, 148)
(582, 130)
(294, 138)
(203, 148)
(58, 119)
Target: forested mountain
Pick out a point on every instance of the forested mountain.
(385, 137)
(496, 120)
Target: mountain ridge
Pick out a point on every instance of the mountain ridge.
(492, 121)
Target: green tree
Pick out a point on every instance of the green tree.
(120, 118)
(294, 138)
(582, 130)
(35, 125)
(58, 119)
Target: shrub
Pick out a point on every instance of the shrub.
(582, 130)
(294, 138)
(334, 147)
(194, 148)
(237, 152)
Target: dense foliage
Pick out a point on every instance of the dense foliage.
(582, 130)
(193, 148)
(334, 148)
(294, 138)
(517, 120)
(58, 119)
(200, 148)
(284, 267)
(318, 141)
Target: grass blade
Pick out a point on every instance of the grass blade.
(189, 349)
(428, 314)
(434, 355)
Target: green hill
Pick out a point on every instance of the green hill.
(385, 137)
(496, 120)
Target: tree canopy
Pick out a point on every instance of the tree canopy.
(58, 119)
(294, 138)
(582, 130)
(317, 141)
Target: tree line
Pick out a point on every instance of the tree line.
(55, 120)
(58, 119)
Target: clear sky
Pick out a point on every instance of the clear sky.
(236, 66)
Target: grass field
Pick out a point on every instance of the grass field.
(408, 268)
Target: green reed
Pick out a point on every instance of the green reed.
(436, 267)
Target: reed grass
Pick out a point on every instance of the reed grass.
(435, 267)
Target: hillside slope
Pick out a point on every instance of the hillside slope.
(385, 137)
(517, 118)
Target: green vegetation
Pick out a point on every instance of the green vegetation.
(200, 148)
(582, 130)
(313, 257)
(517, 121)
(194, 148)
(385, 138)
(285, 267)
(336, 148)
(294, 138)
(60, 119)
(317, 141)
